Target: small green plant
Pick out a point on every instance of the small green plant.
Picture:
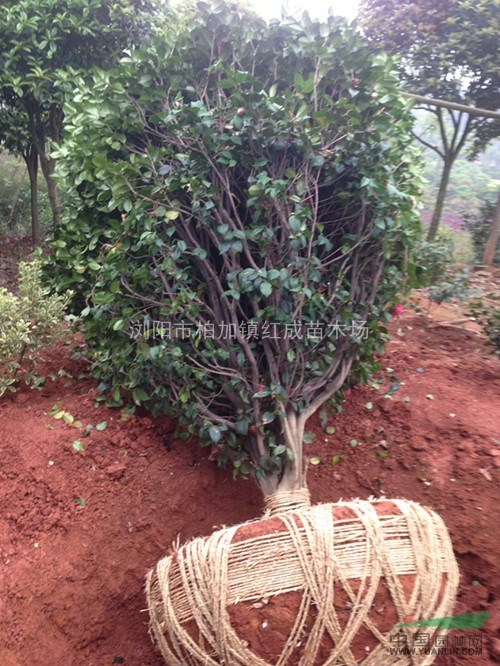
(454, 286)
(27, 321)
(429, 262)
(488, 315)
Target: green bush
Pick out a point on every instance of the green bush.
(429, 261)
(454, 285)
(27, 321)
(238, 176)
(479, 226)
(488, 315)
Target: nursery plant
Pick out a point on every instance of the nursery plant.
(27, 321)
(246, 194)
(245, 198)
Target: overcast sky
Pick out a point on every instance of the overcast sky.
(316, 8)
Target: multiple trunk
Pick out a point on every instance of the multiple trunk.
(462, 126)
(292, 474)
(42, 133)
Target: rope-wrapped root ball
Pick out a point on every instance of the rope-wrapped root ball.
(327, 584)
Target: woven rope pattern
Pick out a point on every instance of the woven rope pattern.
(314, 555)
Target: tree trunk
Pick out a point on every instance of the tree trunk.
(493, 236)
(38, 133)
(31, 159)
(48, 168)
(438, 208)
(293, 474)
(292, 477)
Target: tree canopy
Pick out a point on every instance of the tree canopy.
(244, 197)
(44, 45)
(448, 50)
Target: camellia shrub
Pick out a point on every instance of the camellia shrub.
(245, 197)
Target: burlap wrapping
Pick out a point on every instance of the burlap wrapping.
(313, 553)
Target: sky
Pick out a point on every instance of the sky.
(316, 8)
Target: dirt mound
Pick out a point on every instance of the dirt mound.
(85, 512)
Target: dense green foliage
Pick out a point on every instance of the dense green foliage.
(33, 318)
(252, 189)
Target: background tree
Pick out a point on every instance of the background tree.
(448, 50)
(44, 45)
(16, 139)
(245, 193)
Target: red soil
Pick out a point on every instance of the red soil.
(71, 576)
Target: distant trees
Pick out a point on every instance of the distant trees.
(44, 45)
(447, 50)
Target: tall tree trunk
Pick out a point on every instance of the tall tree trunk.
(493, 236)
(31, 159)
(48, 168)
(39, 137)
(438, 208)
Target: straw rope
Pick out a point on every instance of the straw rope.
(317, 555)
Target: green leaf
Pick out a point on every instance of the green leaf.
(268, 417)
(101, 426)
(315, 460)
(215, 433)
(139, 395)
(77, 445)
(265, 288)
(353, 443)
(295, 224)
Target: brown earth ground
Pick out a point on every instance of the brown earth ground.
(80, 528)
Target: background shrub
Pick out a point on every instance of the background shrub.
(27, 321)
(479, 225)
